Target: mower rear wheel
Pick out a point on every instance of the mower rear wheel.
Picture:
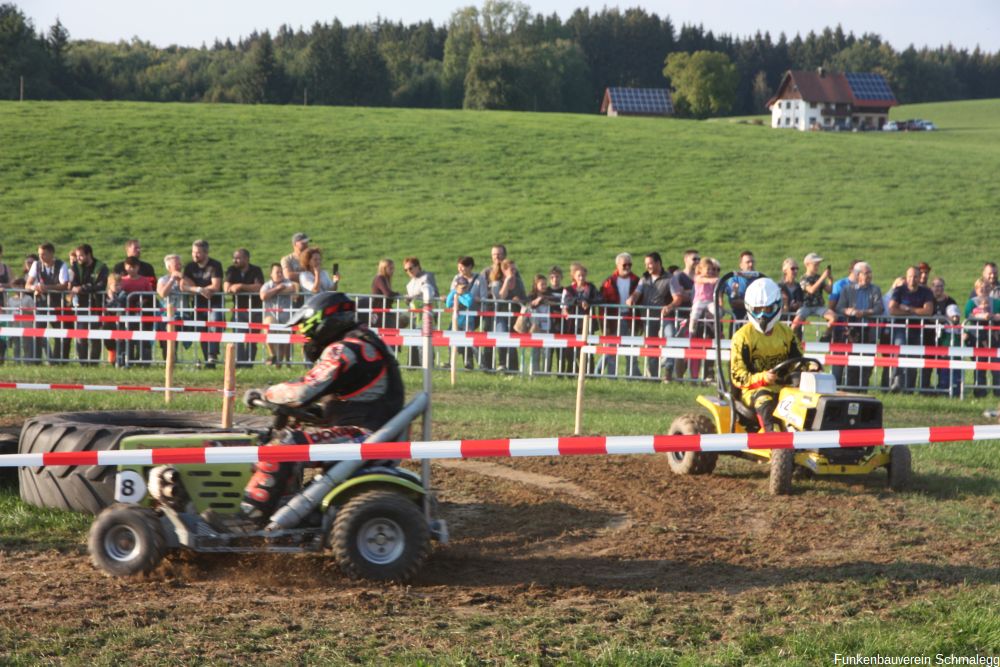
(900, 467)
(782, 465)
(380, 535)
(692, 463)
(126, 539)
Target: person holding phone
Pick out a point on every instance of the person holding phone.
(815, 286)
(314, 279)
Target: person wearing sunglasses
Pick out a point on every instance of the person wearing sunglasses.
(757, 347)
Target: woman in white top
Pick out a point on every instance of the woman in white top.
(313, 278)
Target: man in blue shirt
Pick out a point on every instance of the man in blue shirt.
(909, 302)
(831, 307)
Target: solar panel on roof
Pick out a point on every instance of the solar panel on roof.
(641, 100)
(869, 86)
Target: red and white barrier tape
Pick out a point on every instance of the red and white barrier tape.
(62, 386)
(179, 336)
(569, 446)
(449, 339)
(471, 339)
(826, 359)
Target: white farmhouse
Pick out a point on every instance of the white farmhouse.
(823, 100)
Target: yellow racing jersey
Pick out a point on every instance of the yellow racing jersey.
(753, 353)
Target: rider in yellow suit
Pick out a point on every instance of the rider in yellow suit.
(757, 347)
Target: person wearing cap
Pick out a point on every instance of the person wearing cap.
(859, 303)
(291, 264)
(814, 285)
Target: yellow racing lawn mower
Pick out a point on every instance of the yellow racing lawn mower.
(808, 401)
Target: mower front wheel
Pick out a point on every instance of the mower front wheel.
(900, 467)
(125, 540)
(782, 465)
(380, 535)
(692, 463)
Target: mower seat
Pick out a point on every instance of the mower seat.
(745, 415)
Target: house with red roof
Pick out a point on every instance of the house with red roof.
(822, 100)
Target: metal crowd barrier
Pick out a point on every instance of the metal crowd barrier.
(243, 312)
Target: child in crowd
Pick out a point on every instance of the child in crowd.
(277, 294)
(539, 305)
(20, 302)
(950, 380)
(982, 312)
(460, 291)
(706, 275)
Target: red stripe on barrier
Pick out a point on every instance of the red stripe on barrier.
(124, 388)
(772, 440)
(57, 385)
(69, 458)
(385, 450)
(179, 455)
(676, 443)
(583, 445)
(951, 433)
(862, 437)
(283, 453)
(484, 448)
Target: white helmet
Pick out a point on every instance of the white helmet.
(763, 304)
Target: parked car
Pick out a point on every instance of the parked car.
(891, 126)
(928, 125)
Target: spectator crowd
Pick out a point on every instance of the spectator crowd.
(648, 299)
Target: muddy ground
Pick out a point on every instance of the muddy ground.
(548, 558)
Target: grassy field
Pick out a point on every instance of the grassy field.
(367, 183)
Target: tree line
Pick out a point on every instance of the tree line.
(497, 56)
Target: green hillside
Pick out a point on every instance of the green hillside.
(367, 183)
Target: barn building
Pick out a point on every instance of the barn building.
(822, 100)
(637, 102)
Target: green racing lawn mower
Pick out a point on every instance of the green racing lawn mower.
(377, 518)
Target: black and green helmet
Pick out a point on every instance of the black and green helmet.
(325, 318)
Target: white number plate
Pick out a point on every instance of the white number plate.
(129, 487)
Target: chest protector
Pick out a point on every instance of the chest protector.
(370, 391)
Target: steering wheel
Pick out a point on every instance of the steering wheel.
(786, 368)
(309, 414)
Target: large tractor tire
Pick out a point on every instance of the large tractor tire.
(380, 535)
(692, 463)
(900, 468)
(91, 488)
(782, 465)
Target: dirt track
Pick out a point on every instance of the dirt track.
(533, 538)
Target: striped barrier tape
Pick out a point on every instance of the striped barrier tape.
(139, 319)
(481, 339)
(825, 359)
(448, 339)
(61, 386)
(508, 447)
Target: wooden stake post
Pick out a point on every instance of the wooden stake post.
(168, 378)
(454, 350)
(581, 377)
(229, 386)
